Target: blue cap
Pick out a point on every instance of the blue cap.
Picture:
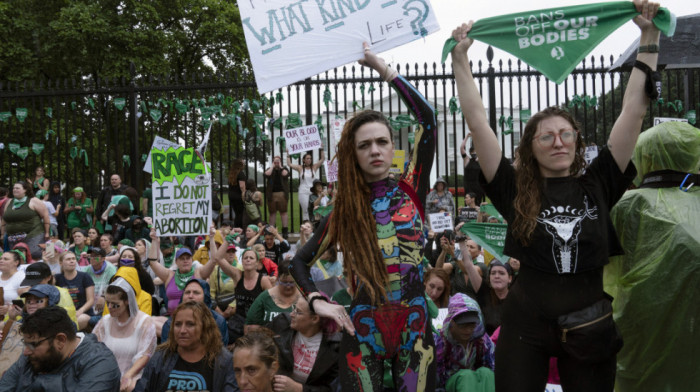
(183, 251)
(44, 291)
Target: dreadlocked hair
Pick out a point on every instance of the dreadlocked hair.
(529, 181)
(353, 227)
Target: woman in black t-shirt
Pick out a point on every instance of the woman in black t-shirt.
(559, 224)
(236, 189)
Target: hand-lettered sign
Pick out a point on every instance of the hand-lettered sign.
(159, 143)
(181, 192)
(292, 40)
(303, 139)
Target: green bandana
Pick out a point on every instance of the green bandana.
(491, 236)
(555, 40)
(182, 279)
(18, 203)
(168, 260)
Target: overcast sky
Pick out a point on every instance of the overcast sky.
(451, 13)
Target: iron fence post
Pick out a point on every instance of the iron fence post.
(491, 80)
(134, 128)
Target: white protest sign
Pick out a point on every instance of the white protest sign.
(181, 192)
(302, 139)
(159, 143)
(337, 125)
(440, 221)
(659, 120)
(553, 388)
(331, 170)
(289, 41)
(590, 154)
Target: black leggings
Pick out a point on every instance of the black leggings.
(527, 341)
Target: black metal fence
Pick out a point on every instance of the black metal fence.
(81, 131)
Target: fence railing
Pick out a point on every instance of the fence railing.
(82, 131)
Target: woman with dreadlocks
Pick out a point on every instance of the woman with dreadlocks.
(376, 223)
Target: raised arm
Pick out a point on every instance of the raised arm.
(161, 272)
(484, 138)
(468, 268)
(463, 149)
(206, 270)
(291, 164)
(625, 131)
(321, 159)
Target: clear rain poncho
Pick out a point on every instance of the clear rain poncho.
(655, 284)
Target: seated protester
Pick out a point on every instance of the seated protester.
(143, 298)
(252, 236)
(56, 358)
(277, 300)
(267, 267)
(79, 285)
(118, 217)
(308, 345)
(129, 257)
(193, 353)
(437, 286)
(11, 278)
(255, 361)
(39, 273)
(490, 294)
(224, 278)
(137, 230)
(101, 273)
(249, 287)
(80, 247)
(27, 259)
(463, 345)
(327, 266)
(197, 290)
(275, 245)
(38, 297)
(50, 254)
(470, 211)
(128, 332)
(306, 230)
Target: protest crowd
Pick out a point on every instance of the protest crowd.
(392, 282)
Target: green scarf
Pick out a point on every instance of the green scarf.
(168, 261)
(18, 203)
(555, 40)
(491, 236)
(38, 182)
(182, 279)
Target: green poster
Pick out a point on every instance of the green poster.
(491, 236)
(37, 148)
(119, 103)
(181, 192)
(555, 40)
(21, 114)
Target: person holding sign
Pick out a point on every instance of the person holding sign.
(308, 173)
(559, 227)
(377, 223)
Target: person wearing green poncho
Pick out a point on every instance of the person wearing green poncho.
(78, 210)
(655, 282)
(559, 227)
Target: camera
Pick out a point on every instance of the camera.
(461, 238)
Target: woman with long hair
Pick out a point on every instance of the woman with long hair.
(377, 223)
(93, 237)
(251, 284)
(39, 182)
(130, 257)
(10, 278)
(308, 350)
(78, 210)
(437, 286)
(559, 226)
(236, 189)
(128, 332)
(26, 219)
(256, 360)
(193, 354)
(308, 172)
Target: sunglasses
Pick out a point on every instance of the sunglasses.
(286, 284)
(113, 305)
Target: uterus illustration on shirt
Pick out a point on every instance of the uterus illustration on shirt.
(564, 224)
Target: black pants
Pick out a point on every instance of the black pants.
(526, 343)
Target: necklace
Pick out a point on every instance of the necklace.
(181, 279)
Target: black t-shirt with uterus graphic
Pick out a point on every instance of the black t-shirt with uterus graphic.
(574, 232)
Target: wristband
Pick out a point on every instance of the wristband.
(311, 302)
(652, 86)
(651, 48)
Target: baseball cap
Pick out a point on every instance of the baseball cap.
(44, 291)
(183, 251)
(471, 316)
(35, 273)
(99, 251)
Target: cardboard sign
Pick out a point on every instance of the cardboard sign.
(159, 143)
(303, 139)
(440, 221)
(659, 120)
(398, 162)
(591, 154)
(181, 192)
(292, 40)
(331, 170)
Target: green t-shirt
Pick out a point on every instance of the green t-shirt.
(263, 310)
(148, 194)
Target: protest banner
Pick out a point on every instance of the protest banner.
(159, 143)
(659, 120)
(302, 139)
(289, 41)
(440, 221)
(555, 40)
(398, 162)
(331, 170)
(181, 192)
(590, 154)
(491, 236)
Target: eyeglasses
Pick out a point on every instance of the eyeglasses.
(286, 284)
(113, 305)
(547, 139)
(31, 346)
(295, 310)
